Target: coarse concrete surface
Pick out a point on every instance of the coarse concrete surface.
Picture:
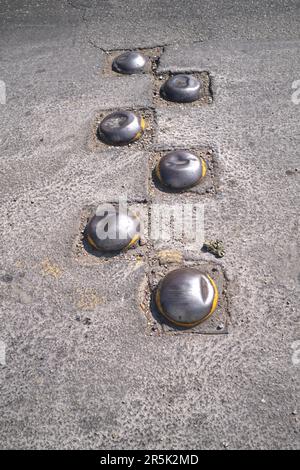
(77, 368)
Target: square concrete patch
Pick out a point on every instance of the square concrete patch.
(205, 97)
(146, 141)
(157, 325)
(153, 54)
(206, 186)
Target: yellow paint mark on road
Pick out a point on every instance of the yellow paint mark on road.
(169, 256)
(88, 299)
(51, 269)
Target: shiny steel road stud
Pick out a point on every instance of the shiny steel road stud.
(121, 128)
(129, 63)
(181, 88)
(180, 169)
(186, 297)
(113, 230)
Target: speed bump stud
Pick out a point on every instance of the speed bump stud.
(186, 297)
(129, 63)
(121, 128)
(113, 231)
(180, 169)
(181, 88)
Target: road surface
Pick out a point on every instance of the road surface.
(79, 366)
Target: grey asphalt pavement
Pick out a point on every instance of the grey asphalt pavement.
(79, 365)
